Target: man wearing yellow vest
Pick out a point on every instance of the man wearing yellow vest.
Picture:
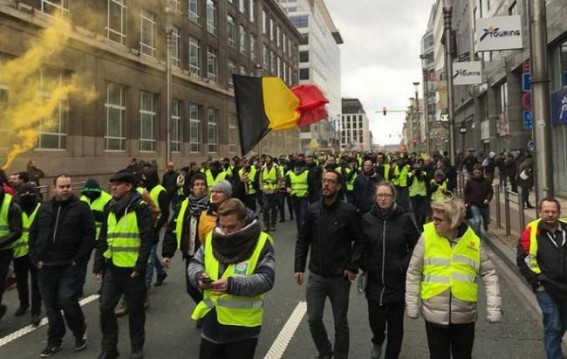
(10, 232)
(270, 181)
(28, 201)
(417, 182)
(126, 238)
(215, 173)
(297, 186)
(234, 268)
(541, 257)
(441, 282)
(249, 177)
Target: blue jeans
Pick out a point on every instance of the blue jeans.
(58, 287)
(154, 262)
(554, 323)
(481, 216)
(317, 291)
(300, 207)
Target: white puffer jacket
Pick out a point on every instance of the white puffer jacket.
(445, 309)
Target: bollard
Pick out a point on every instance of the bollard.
(507, 211)
(498, 214)
(521, 211)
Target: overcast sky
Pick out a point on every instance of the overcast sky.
(380, 57)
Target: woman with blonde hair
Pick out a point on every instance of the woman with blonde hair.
(442, 278)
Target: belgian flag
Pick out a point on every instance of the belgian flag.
(263, 104)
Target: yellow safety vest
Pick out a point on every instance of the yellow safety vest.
(446, 267)
(350, 184)
(232, 309)
(98, 205)
(269, 179)
(418, 188)
(386, 172)
(123, 238)
(299, 184)
(21, 246)
(154, 195)
(213, 181)
(251, 178)
(438, 195)
(531, 259)
(401, 179)
(4, 225)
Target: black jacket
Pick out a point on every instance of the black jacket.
(330, 232)
(391, 238)
(14, 223)
(148, 235)
(63, 232)
(364, 188)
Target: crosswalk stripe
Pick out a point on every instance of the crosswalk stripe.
(284, 337)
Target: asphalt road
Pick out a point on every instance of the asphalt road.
(170, 333)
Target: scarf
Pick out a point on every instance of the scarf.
(236, 247)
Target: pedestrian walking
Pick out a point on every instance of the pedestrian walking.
(526, 180)
(331, 234)
(296, 185)
(365, 186)
(23, 268)
(391, 234)
(541, 257)
(418, 186)
(441, 282)
(478, 194)
(234, 268)
(270, 182)
(126, 238)
(62, 237)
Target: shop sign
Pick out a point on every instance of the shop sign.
(499, 33)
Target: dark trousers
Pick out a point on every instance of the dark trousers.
(81, 277)
(419, 206)
(455, 340)
(58, 287)
(402, 197)
(513, 183)
(387, 318)
(300, 207)
(317, 291)
(23, 269)
(525, 195)
(251, 200)
(283, 198)
(195, 293)
(5, 259)
(243, 349)
(270, 208)
(116, 283)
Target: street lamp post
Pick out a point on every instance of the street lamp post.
(169, 37)
(415, 85)
(426, 106)
(447, 11)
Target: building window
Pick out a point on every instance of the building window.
(147, 121)
(231, 67)
(232, 134)
(252, 11)
(194, 125)
(264, 22)
(274, 68)
(194, 13)
(266, 56)
(304, 39)
(194, 56)
(147, 33)
(242, 6)
(304, 74)
(563, 58)
(212, 64)
(176, 5)
(211, 17)
(116, 20)
(115, 106)
(252, 47)
(55, 7)
(278, 39)
(211, 130)
(231, 31)
(175, 42)
(53, 129)
(272, 30)
(243, 40)
(284, 42)
(303, 56)
(299, 21)
(175, 126)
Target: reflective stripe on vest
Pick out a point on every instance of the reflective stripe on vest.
(4, 225)
(418, 188)
(350, 183)
(179, 221)
(298, 183)
(251, 178)
(446, 267)
(123, 238)
(269, 179)
(231, 309)
(438, 195)
(21, 246)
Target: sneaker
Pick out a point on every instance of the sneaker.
(376, 351)
(36, 319)
(160, 278)
(81, 342)
(49, 350)
(3, 310)
(21, 311)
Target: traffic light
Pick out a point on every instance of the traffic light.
(384, 110)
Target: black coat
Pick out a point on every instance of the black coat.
(390, 241)
(62, 232)
(330, 232)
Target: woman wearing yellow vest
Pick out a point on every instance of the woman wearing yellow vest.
(442, 278)
(234, 268)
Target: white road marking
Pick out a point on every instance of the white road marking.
(282, 341)
(30, 328)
